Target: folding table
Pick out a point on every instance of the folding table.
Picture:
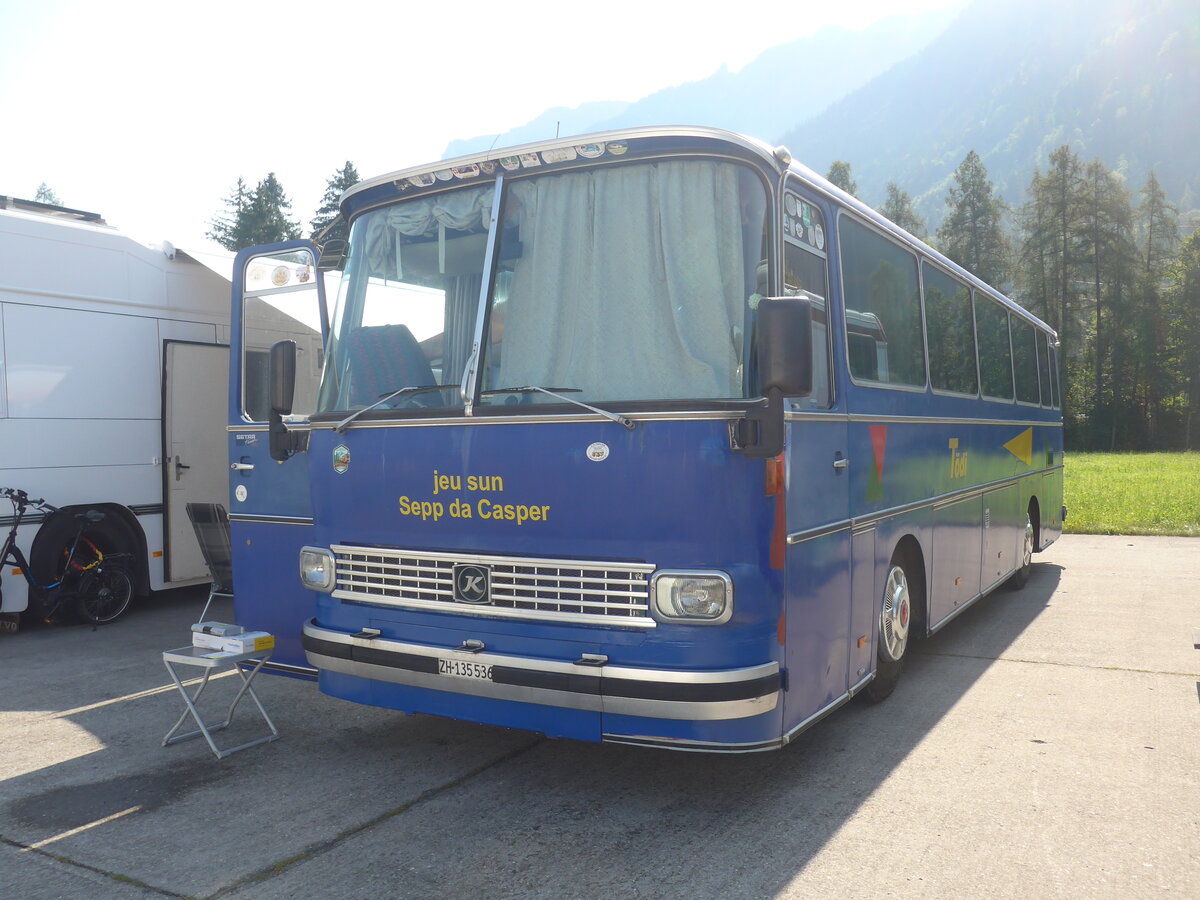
(211, 661)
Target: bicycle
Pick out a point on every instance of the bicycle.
(99, 585)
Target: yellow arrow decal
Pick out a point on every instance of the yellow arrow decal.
(1022, 446)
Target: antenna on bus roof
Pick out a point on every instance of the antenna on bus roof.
(557, 127)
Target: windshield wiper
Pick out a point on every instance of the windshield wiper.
(533, 388)
(340, 427)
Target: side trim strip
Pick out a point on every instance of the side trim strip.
(818, 715)
(668, 743)
(938, 420)
(859, 522)
(36, 518)
(270, 520)
(813, 533)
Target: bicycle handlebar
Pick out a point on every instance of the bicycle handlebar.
(19, 497)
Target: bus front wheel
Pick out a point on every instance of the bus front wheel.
(895, 620)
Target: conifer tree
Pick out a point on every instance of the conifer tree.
(1158, 230)
(1182, 307)
(839, 174)
(45, 194)
(1060, 192)
(255, 217)
(223, 228)
(898, 207)
(269, 208)
(329, 211)
(971, 234)
(1107, 237)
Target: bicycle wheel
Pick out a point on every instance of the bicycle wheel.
(104, 593)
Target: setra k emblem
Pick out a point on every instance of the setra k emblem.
(470, 583)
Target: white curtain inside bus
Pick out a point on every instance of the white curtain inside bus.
(631, 283)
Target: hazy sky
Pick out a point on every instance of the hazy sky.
(147, 112)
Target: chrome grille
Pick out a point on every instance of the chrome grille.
(527, 588)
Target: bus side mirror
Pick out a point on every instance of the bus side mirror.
(783, 345)
(281, 387)
(783, 336)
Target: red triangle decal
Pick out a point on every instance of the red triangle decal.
(879, 446)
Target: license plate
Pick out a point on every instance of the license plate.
(456, 668)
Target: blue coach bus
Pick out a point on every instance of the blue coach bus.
(653, 437)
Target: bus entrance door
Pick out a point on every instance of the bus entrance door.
(278, 296)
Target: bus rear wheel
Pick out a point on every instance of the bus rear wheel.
(895, 619)
(1021, 575)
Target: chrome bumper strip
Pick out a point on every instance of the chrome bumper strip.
(705, 695)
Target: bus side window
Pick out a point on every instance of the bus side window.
(1055, 373)
(879, 282)
(995, 352)
(1025, 365)
(804, 274)
(951, 333)
(1044, 369)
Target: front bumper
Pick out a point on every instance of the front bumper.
(587, 684)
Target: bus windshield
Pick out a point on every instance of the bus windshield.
(629, 283)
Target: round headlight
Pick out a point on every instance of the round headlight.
(701, 599)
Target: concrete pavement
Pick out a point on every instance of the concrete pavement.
(1045, 743)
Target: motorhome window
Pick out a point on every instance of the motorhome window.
(995, 353)
(626, 283)
(407, 306)
(804, 275)
(1025, 365)
(280, 303)
(951, 333)
(880, 282)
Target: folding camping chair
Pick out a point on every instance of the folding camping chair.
(211, 524)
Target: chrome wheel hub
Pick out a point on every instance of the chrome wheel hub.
(1027, 552)
(895, 616)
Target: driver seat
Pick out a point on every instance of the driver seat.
(385, 358)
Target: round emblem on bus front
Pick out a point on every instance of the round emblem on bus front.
(241, 493)
(471, 583)
(597, 452)
(341, 458)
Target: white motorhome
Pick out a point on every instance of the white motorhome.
(113, 390)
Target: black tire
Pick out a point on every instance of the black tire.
(111, 536)
(105, 593)
(895, 621)
(1020, 577)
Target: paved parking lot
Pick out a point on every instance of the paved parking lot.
(1045, 744)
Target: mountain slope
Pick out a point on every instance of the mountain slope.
(1115, 79)
(784, 85)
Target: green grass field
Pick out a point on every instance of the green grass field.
(1133, 493)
